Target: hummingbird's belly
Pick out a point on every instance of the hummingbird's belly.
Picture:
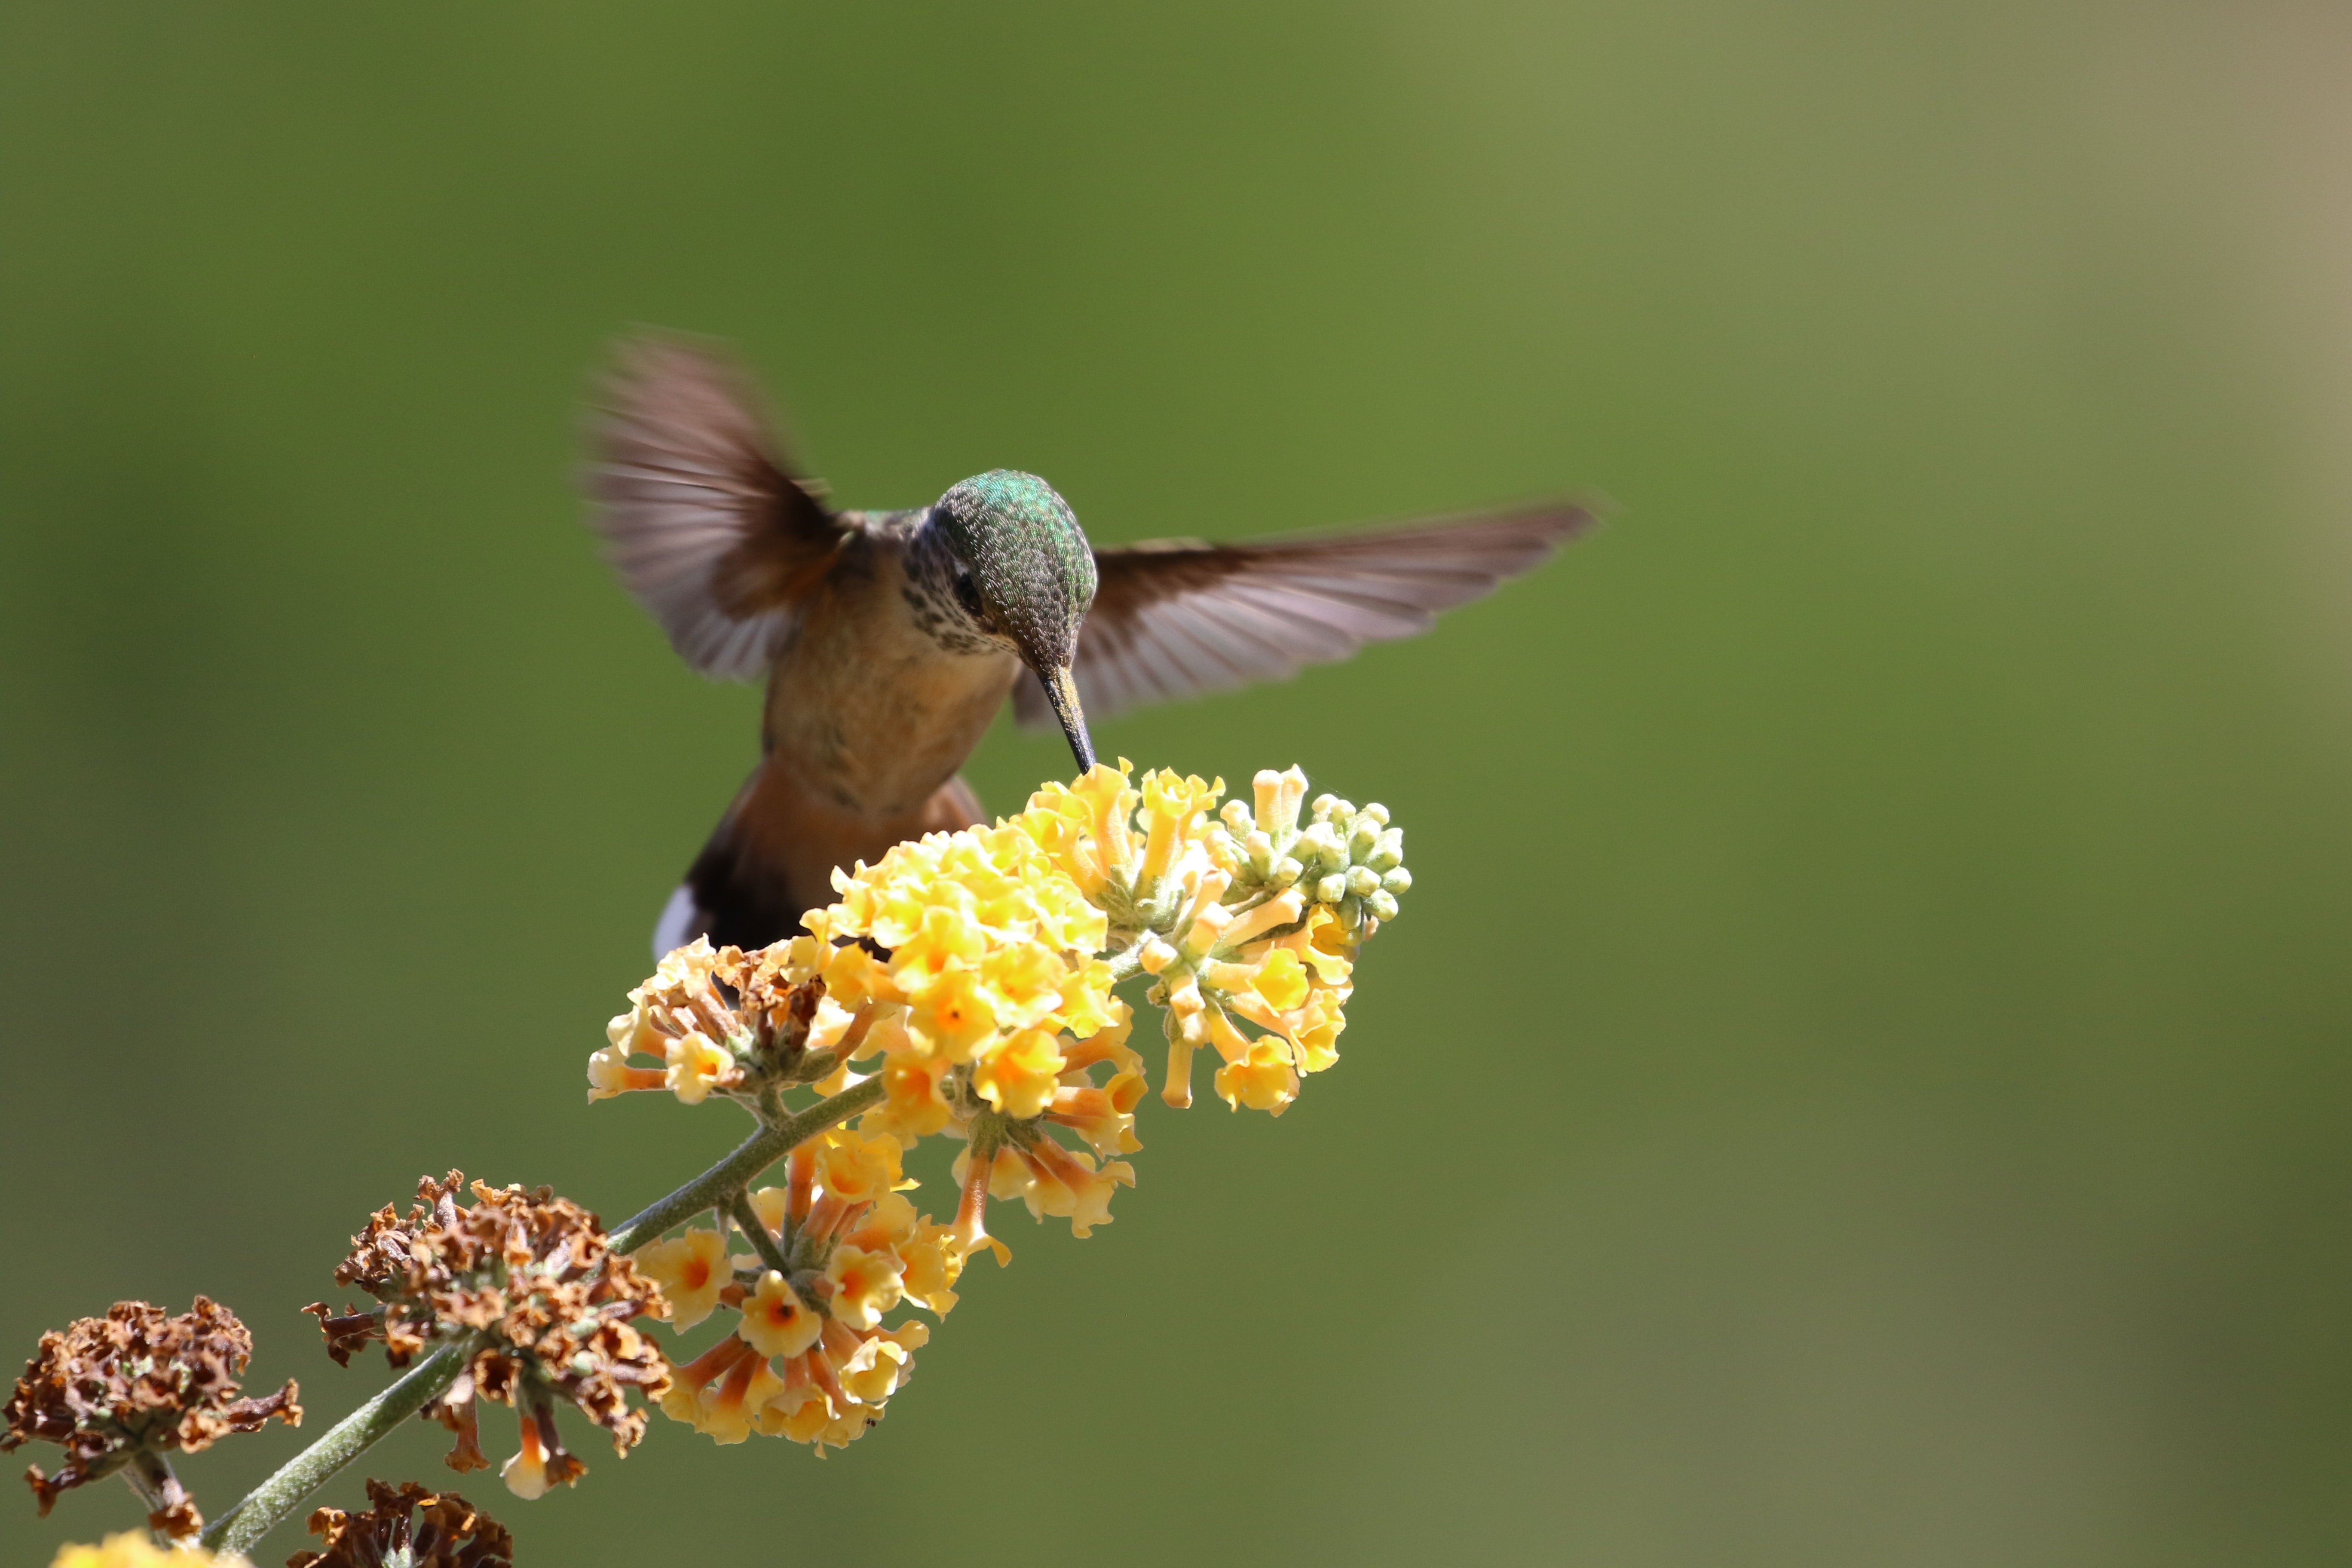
(873, 716)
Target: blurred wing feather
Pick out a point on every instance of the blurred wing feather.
(1179, 617)
(699, 518)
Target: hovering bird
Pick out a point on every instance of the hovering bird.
(889, 639)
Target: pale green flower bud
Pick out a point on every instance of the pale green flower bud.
(1381, 906)
(1331, 889)
(1235, 816)
(1362, 880)
(1278, 794)
(1260, 850)
(1363, 840)
(1397, 881)
(1286, 872)
(1376, 814)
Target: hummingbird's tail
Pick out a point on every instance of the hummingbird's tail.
(771, 858)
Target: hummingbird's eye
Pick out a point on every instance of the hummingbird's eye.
(967, 593)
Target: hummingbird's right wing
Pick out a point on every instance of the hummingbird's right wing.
(700, 519)
(1178, 617)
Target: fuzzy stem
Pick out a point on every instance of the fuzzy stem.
(747, 1221)
(269, 1504)
(739, 1170)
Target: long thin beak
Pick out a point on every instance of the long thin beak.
(1063, 693)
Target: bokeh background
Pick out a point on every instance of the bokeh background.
(1862, 1075)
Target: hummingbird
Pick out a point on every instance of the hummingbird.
(890, 640)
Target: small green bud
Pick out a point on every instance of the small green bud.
(1363, 840)
(1381, 906)
(1331, 889)
(1286, 872)
(1376, 814)
(1235, 816)
(1397, 881)
(1260, 850)
(1363, 880)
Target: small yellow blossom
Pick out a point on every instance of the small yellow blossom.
(1020, 1078)
(691, 1270)
(866, 1284)
(697, 1065)
(776, 1321)
(1261, 1077)
(528, 1475)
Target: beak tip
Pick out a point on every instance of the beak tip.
(1063, 693)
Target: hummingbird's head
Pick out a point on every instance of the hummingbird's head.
(1022, 576)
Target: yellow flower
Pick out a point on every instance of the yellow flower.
(527, 1474)
(856, 1169)
(875, 1368)
(1261, 1077)
(128, 1549)
(776, 1321)
(866, 1284)
(917, 1106)
(1020, 1077)
(951, 1016)
(1054, 1182)
(609, 1072)
(691, 1270)
(696, 1066)
(1173, 811)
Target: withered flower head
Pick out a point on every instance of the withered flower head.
(720, 1021)
(447, 1531)
(138, 1380)
(528, 1279)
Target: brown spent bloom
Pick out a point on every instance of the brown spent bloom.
(138, 1380)
(448, 1531)
(720, 1021)
(533, 1275)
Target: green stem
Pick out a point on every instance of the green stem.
(738, 1169)
(268, 1505)
(747, 1220)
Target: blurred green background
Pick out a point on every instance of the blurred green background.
(1862, 1076)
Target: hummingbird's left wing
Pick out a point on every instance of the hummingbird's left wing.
(1179, 617)
(700, 519)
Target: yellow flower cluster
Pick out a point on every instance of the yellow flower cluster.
(1234, 928)
(989, 1011)
(970, 974)
(809, 1358)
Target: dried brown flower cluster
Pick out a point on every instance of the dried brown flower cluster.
(138, 1381)
(444, 1531)
(720, 1021)
(531, 1277)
